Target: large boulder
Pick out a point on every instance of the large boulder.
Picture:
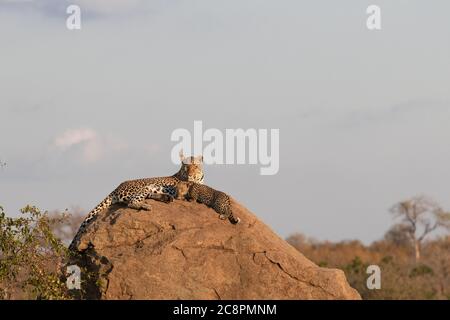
(182, 250)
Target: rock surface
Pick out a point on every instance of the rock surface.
(182, 250)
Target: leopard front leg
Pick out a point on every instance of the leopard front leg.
(137, 200)
(162, 193)
(161, 197)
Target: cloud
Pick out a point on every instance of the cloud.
(74, 136)
(16, 1)
(87, 144)
(110, 6)
(94, 7)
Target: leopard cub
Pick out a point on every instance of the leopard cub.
(215, 199)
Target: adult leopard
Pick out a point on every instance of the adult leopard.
(134, 192)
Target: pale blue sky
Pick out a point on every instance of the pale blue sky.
(363, 116)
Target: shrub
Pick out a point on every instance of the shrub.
(31, 256)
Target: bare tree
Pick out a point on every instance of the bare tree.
(297, 240)
(419, 217)
(398, 235)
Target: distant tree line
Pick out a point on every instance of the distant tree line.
(414, 254)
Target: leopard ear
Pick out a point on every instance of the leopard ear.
(182, 156)
(199, 159)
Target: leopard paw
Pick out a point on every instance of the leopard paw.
(146, 206)
(167, 198)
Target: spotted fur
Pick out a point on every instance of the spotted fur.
(215, 199)
(134, 192)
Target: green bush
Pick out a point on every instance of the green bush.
(31, 256)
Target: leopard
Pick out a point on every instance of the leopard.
(133, 193)
(215, 199)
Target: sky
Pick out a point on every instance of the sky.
(363, 115)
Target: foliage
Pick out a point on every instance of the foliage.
(421, 270)
(401, 276)
(31, 256)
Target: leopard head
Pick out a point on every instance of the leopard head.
(191, 169)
